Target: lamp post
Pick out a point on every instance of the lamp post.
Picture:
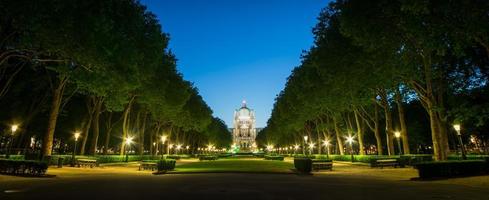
(349, 139)
(163, 140)
(311, 148)
(397, 134)
(326, 144)
(76, 135)
(457, 128)
(11, 140)
(296, 147)
(128, 144)
(179, 146)
(187, 147)
(305, 142)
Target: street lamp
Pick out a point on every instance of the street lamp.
(350, 141)
(163, 140)
(13, 128)
(269, 148)
(457, 128)
(311, 148)
(128, 144)
(305, 142)
(296, 147)
(397, 134)
(76, 135)
(326, 144)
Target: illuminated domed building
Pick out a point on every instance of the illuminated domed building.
(244, 130)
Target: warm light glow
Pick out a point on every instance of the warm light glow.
(163, 138)
(305, 138)
(77, 135)
(349, 139)
(296, 147)
(187, 147)
(311, 145)
(129, 140)
(269, 147)
(14, 127)
(457, 127)
(397, 134)
(179, 146)
(326, 142)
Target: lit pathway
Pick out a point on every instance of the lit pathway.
(345, 182)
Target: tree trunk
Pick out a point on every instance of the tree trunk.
(88, 125)
(141, 134)
(107, 133)
(125, 125)
(359, 133)
(378, 137)
(47, 145)
(339, 140)
(96, 119)
(388, 122)
(402, 122)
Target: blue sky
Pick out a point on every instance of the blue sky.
(235, 50)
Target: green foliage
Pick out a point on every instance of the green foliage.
(23, 167)
(165, 165)
(303, 165)
(174, 157)
(273, 157)
(207, 157)
(446, 169)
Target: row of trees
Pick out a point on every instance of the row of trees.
(371, 59)
(96, 66)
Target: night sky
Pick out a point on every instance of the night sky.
(238, 49)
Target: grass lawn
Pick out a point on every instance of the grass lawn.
(235, 165)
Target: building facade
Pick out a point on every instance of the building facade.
(244, 130)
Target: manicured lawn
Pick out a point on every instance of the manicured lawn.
(235, 165)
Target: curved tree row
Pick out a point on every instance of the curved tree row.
(107, 61)
(369, 60)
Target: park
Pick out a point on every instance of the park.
(340, 99)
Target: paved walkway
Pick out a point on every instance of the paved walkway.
(345, 182)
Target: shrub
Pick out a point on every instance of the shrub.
(413, 159)
(207, 157)
(270, 157)
(23, 167)
(224, 155)
(322, 160)
(445, 169)
(174, 157)
(304, 156)
(303, 165)
(165, 165)
(259, 155)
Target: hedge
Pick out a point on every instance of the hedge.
(270, 157)
(165, 165)
(446, 169)
(207, 157)
(23, 167)
(303, 165)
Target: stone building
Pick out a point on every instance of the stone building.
(244, 130)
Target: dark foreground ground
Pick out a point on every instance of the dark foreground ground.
(346, 182)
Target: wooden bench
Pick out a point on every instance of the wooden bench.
(147, 166)
(385, 162)
(322, 165)
(87, 163)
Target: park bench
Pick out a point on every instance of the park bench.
(384, 162)
(322, 165)
(145, 165)
(87, 163)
